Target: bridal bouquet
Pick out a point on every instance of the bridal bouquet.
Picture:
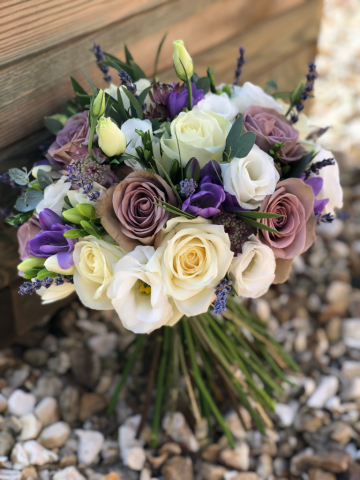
(169, 202)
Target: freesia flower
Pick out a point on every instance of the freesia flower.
(220, 105)
(194, 256)
(26, 232)
(250, 178)
(177, 99)
(134, 140)
(316, 183)
(94, 260)
(138, 294)
(197, 134)
(253, 271)
(55, 293)
(206, 201)
(54, 196)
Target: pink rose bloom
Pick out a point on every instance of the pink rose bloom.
(27, 231)
(74, 134)
(295, 201)
(271, 128)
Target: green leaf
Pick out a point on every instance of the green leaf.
(19, 176)
(233, 138)
(203, 83)
(158, 55)
(121, 108)
(170, 183)
(128, 55)
(173, 210)
(142, 96)
(32, 273)
(119, 65)
(75, 233)
(90, 81)
(45, 273)
(285, 95)
(295, 94)
(67, 201)
(297, 168)
(217, 173)
(19, 218)
(175, 172)
(53, 125)
(134, 102)
(137, 72)
(255, 224)
(245, 144)
(44, 179)
(270, 85)
(28, 201)
(77, 87)
(256, 214)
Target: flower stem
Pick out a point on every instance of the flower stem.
(189, 92)
(91, 137)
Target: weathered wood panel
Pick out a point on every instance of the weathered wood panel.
(35, 86)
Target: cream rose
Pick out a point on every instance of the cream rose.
(138, 294)
(197, 134)
(253, 271)
(194, 257)
(94, 260)
(249, 95)
(220, 105)
(133, 140)
(250, 178)
(55, 292)
(54, 196)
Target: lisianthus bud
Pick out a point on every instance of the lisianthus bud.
(46, 168)
(30, 263)
(98, 106)
(86, 210)
(73, 216)
(52, 265)
(182, 60)
(112, 140)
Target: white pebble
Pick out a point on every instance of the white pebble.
(287, 412)
(10, 475)
(90, 445)
(38, 455)
(180, 431)
(21, 403)
(47, 411)
(55, 435)
(69, 473)
(19, 457)
(326, 389)
(31, 427)
(104, 344)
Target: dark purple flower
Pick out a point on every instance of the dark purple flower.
(316, 183)
(47, 218)
(52, 242)
(206, 202)
(177, 100)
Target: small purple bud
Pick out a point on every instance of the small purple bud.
(192, 170)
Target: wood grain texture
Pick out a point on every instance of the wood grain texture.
(35, 86)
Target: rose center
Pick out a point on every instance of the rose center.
(192, 260)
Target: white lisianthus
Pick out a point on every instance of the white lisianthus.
(331, 187)
(94, 260)
(219, 104)
(250, 178)
(253, 271)
(55, 292)
(112, 140)
(141, 84)
(194, 257)
(250, 94)
(52, 264)
(54, 195)
(197, 134)
(138, 294)
(134, 140)
(77, 196)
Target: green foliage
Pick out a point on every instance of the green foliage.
(20, 218)
(297, 168)
(238, 145)
(19, 176)
(44, 179)
(28, 201)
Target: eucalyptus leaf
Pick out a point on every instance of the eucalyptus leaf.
(44, 179)
(28, 201)
(53, 125)
(134, 102)
(19, 176)
(195, 78)
(244, 145)
(233, 138)
(297, 168)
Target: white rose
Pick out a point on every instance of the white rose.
(77, 196)
(138, 294)
(194, 257)
(94, 260)
(54, 195)
(331, 187)
(253, 271)
(134, 140)
(55, 292)
(250, 94)
(198, 134)
(220, 105)
(251, 178)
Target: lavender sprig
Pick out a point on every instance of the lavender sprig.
(221, 292)
(308, 88)
(127, 82)
(188, 187)
(317, 166)
(77, 180)
(240, 63)
(100, 57)
(326, 218)
(36, 284)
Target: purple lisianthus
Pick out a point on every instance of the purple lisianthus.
(51, 240)
(316, 183)
(177, 100)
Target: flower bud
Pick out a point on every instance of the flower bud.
(73, 216)
(182, 60)
(35, 170)
(98, 106)
(30, 263)
(112, 140)
(52, 265)
(192, 170)
(86, 210)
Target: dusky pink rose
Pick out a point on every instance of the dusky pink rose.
(128, 213)
(27, 231)
(271, 128)
(74, 134)
(295, 201)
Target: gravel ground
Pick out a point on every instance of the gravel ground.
(56, 383)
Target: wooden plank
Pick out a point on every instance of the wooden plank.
(41, 24)
(35, 87)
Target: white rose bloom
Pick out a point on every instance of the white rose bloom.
(138, 294)
(198, 134)
(54, 195)
(134, 140)
(332, 187)
(77, 196)
(94, 260)
(250, 94)
(253, 271)
(220, 105)
(194, 257)
(251, 178)
(55, 292)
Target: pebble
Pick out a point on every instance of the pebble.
(31, 427)
(264, 468)
(36, 357)
(351, 332)
(38, 455)
(352, 390)
(21, 403)
(69, 473)
(239, 458)
(233, 475)
(49, 386)
(69, 403)
(178, 468)
(134, 458)
(342, 433)
(338, 291)
(287, 412)
(6, 443)
(10, 475)
(104, 344)
(179, 430)
(55, 435)
(351, 369)
(326, 389)
(29, 473)
(3, 403)
(85, 366)
(90, 445)
(47, 411)
(19, 457)
(208, 471)
(90, 404)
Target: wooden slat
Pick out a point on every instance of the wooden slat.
(35, 87)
